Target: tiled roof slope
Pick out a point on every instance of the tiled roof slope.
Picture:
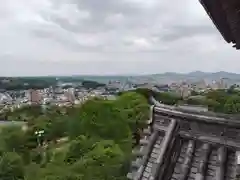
(225, 14)
(183, 146)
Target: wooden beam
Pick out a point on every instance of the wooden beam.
(214, 140)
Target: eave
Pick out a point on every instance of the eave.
(225, 14)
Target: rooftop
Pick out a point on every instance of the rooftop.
(180, 146)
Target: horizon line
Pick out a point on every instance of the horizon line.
(122, 75)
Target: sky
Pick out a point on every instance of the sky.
(105, 37)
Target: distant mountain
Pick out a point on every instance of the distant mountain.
(196, 76)
(220, 74)
(162, 78)
(201, 74)
(215, 75)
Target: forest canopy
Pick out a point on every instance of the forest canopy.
(92, 141)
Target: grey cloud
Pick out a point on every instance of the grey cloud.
(65, 40)
(138, 20)
(178, 32)
(42, 33)
(136, 15)
(161, 21)
(103, 8)
(118, 36)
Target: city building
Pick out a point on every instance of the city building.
(223, 83)
(34, 96)
(199, 86)
(184, 91)
(70, 95)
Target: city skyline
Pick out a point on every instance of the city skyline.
(68, 37)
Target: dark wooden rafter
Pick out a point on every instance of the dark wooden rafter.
(218, 17)
(225, 14)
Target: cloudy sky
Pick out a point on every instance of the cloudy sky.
(63, 37)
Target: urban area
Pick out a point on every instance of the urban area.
(68, 93)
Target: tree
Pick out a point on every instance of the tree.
(97, 140)
(57, 172)
(231, 89)
(217, 99)
(103, 162)
(92, 84)
(57, 128)
(147, 93)
(11, 167)
(13, 139)
(194, 93)
(232, 105)
(102, 119)
(32, 171)
(168, 98)
(214, 105)
(135, 108)
(78, 148)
